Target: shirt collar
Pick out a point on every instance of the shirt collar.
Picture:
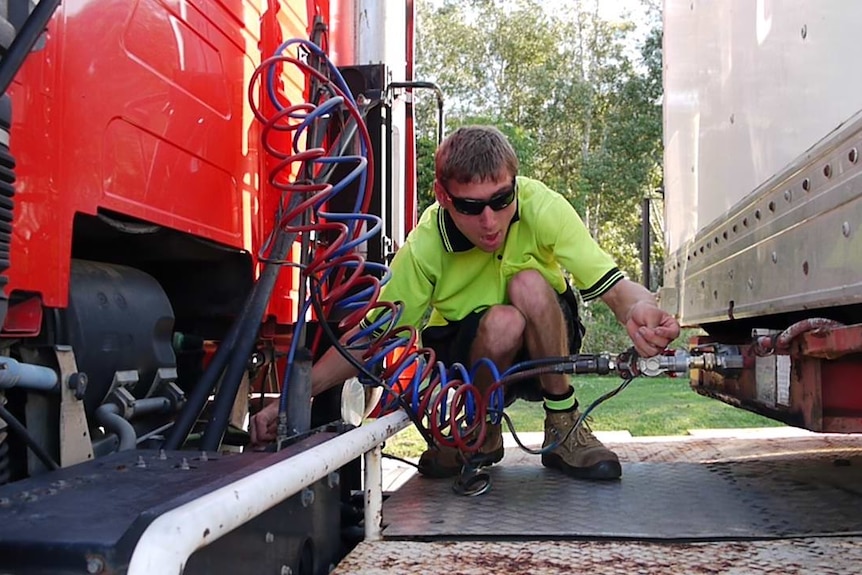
(453, 239)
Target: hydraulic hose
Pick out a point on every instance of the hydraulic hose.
(230, 361)
(28, 376)
(111, 417)
(200, 393)
(5, 474)
(108, 415)
(238, 362)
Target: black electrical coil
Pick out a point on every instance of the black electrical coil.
(7, 191)
(4, 458)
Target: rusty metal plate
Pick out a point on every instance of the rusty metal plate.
(825, 556)
(791, 489)
(764, 444)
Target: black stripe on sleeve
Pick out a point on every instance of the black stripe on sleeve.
(601, 287)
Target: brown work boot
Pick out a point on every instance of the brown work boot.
(581, 455)
(440, 461)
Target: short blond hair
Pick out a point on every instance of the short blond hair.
(474, 154)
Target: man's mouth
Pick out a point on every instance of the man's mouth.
(490, 238)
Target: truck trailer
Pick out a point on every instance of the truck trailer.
(762, 133)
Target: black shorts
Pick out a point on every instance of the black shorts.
(452, 343)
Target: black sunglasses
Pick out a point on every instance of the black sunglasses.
(497, 202)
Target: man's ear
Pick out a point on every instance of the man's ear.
(440, 194)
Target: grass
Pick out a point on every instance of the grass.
(659, 406)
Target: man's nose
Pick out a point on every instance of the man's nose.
(486, 218)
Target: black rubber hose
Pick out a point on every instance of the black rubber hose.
(4, 458)
(231, 357)
(200, 393)
(248, 328)
(249, 324)
(18, 429)
(242, 339)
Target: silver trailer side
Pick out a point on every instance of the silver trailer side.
(762, 136)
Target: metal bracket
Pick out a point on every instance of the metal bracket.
(75, 443)
(164, 377)
(124, 379)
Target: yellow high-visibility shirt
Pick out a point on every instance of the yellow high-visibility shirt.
(439, 267)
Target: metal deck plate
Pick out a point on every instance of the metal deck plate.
(795, 488)
(824, 556)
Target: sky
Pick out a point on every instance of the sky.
(615, 9)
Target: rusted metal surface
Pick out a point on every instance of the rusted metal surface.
(762, 386)
(824, 556)
(779, 484)
(828, 368)
(833, 343)
(786, 443)
(836, 355)
(692, 490)
(811, 383)
(716, 450)
(785, 483)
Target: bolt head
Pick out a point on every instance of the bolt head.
(78, 383)
(95, 565)
(307, 497)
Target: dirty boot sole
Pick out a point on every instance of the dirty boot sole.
(603, 470)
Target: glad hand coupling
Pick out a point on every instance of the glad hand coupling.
(629, 364)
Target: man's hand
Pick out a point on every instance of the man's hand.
(650, 328)
(264, 424)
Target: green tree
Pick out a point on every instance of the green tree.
(521, 140)
(582, 112)
(425, 147)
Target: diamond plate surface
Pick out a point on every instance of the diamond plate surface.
(824, 556)
(789, 488)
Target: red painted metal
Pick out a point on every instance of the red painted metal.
(842, 392)
(342, 33)
(838, 353)
(24, 318)
(144, 125)
(283, 302)
(149, 122)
